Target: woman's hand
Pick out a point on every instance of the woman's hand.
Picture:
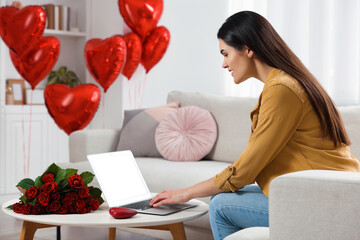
(170, 196)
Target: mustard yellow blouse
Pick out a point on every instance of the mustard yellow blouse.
(285, 137)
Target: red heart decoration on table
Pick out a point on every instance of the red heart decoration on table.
(141, 16)
(154, 47)
(20, 29)
(105, 59)
(72, 108)
(36, 64)
(133, 54)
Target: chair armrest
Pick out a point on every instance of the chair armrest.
(84, 142)
(315, 204)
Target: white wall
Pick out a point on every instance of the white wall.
(192, 61)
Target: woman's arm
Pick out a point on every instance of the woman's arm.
(202, 189)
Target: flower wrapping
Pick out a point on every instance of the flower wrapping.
(58, 191)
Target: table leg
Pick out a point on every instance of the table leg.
(176, 229)
(29, 228)
(112, 233)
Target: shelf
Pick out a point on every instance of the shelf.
(63, 33)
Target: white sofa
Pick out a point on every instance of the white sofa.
(310, 202)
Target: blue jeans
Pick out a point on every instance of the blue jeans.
(231, 212)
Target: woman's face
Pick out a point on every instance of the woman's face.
(239, 63)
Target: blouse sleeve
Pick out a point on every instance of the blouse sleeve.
(279, 116)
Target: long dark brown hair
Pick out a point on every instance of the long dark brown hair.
(251, 29)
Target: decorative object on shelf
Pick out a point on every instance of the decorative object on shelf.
(38, 61)
(21, 29)
(15, 91)
(72, 108)
(63, 76)
(58, 191)
(141, 16)
(154, 47)
(133, 54)
(105, 59)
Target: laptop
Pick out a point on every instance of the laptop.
(123, 184)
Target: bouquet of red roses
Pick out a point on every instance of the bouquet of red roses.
(58, 191)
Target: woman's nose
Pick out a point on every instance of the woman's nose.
(224, 65)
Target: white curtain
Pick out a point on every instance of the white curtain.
(324, 34)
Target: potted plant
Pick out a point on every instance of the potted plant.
(63, 76)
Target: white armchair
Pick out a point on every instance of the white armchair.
(311, 205)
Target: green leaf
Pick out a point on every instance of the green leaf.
(87, 177)
(26, 183)
(32, 202)
(101, 200)
(62, 70)
(95, 192)
(70, 172)
(52, 80)
(24, 199)
(63, 184)
(10, 207)
(60, 176)
(57, 171)
(38, 182)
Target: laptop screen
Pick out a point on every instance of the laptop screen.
(119, 177)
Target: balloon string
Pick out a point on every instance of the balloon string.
(23, 129)
(143, 91)
(103, 111)
(28, 162)
(135, 97)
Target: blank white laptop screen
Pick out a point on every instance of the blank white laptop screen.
(119, 177)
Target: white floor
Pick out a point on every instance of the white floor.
(10, 229)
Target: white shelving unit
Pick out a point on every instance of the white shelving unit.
(48, 143)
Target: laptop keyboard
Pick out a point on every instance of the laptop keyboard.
(143, 205)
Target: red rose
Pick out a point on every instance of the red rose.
(49, 187)
(49, 177)
(67, 201)
(75, 181)
(17, 207)
(83, 192)
(95, 204)
(55, 206)
(36, 210)
(88, 209)
(71, 209)
(81, 210)
(72, 196)
(31, 192)
(62, 210)
(43, 199)
(80, 203)
(55, 196)
(26, 209)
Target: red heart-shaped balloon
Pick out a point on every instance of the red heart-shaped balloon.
(154, 47)
(133, 54)
(36, 64)
(105, 59)
(72, 108)
(20, 29)
(141, 16)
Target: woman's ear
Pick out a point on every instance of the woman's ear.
(248, 51)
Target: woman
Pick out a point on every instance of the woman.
(295, 126)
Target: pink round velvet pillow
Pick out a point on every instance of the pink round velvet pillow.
(187, 134)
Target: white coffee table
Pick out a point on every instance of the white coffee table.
(102, 218)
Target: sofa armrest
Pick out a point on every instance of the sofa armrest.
(92, 141)
(315, 204)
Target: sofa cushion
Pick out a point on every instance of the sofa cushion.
(187, 134)
(351, 119)
(138, 130)
(232, 115)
